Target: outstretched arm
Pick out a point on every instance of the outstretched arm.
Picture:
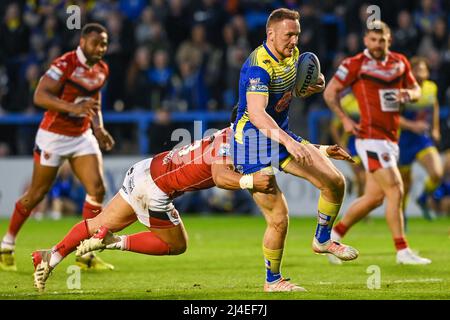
(225, 177)
(332, 99)
(104, 139)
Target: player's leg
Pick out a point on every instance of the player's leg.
(88, 169)
(430, 160)
(42, 179)
(275, 210)
(405, 172)
(389, 179)
(117, 215)
(331, 183)
(371, 199)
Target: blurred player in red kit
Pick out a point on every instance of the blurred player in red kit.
(72, 129)
(382, 82)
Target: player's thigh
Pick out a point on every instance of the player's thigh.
(389, 180)
(42, 178)
(88, 169)
(322, 173)
(373, 190)
(116, 215)
(432, 163)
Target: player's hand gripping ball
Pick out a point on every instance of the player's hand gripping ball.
(308, 74)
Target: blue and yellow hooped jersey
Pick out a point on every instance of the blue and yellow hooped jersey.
(262, 73)
(423, 108)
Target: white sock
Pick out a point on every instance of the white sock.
(55, 259)
(56, 215)
(335, 235)
(120, 245)
(9, 241)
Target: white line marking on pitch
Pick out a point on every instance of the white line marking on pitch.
(418, 280)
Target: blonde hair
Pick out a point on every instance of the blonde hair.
(281, 14)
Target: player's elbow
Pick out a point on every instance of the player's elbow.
(218, 176)
(37, 98)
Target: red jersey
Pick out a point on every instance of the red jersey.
(189, 168)
(79, 82)
(375, 85)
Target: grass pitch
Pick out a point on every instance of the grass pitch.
(224, 261)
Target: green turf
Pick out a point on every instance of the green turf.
(224, 261)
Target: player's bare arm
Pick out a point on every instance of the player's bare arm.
(419, 126)
(225, 177)
(46, 96)
(331, 96)
(105, 140)
(256, 104)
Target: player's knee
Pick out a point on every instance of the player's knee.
(37, 194)
(335, 184)
(436, 177)
(177, 248)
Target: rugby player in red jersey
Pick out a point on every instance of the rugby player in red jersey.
(146, 195)
(72, 129)
(382, 82)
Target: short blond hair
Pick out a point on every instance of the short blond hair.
(281, 14)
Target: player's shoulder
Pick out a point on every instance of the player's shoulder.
(260, 57)
(397, 56)
(355, 60)
(429, 86)
(65, 61)
(103, 65)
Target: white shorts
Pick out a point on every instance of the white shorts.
(376, 153)
(52, 148)
(152, 206)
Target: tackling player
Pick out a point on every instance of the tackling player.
(146, 195)
(382, 81)
(416, 138)
(70, 91)
(262, 140)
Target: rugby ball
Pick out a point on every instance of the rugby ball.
(308, 72)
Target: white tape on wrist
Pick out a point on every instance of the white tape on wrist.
(323, 150)
(246, 182)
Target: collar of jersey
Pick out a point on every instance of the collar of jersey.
(81, 57)
(368, 55)
(270, 53)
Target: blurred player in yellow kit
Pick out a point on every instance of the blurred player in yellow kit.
(420, 126)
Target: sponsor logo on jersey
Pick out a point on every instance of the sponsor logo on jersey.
(224, 150)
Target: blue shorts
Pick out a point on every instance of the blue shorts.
(410, 145)
(351, 146)
(257, 152)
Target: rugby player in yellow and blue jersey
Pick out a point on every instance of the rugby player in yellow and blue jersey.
(419, 127)
(262, 140)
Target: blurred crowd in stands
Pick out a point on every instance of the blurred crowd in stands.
(183, 55)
